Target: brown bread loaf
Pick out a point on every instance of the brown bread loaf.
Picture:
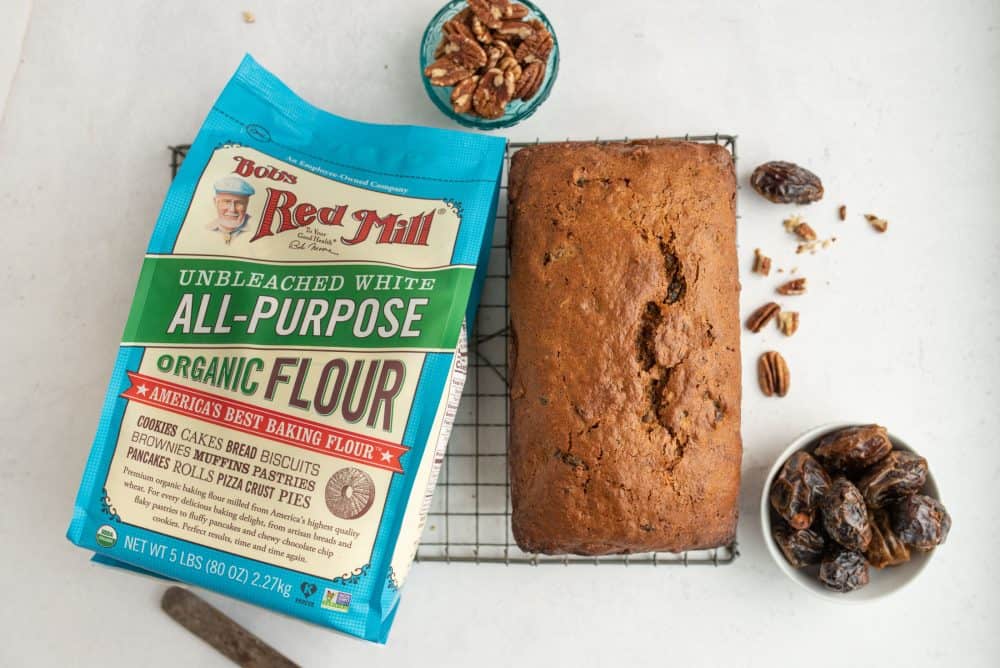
(625, 363)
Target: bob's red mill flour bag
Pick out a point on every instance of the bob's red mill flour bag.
(293, 358)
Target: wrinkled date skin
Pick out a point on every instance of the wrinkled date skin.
(798, 489)
(885, 548)
(786, 183)
(897, 476)
(801, 548)
(845, 516)
(921, 522)
(844, 571)
(855, 448)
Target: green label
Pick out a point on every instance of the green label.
(106, 536)
(206, 301)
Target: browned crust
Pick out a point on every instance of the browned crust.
(625, 413)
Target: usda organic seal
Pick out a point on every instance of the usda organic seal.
(107, 536)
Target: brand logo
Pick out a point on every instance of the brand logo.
(247, 167)
(106, 536)
(336, 600)
(258, 132)
(283, 212)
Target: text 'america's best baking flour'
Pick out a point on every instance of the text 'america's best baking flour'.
(293, 358)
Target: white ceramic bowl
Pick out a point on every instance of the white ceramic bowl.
(883, 581)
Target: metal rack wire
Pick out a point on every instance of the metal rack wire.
(469, 517)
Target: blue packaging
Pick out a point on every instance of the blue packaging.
(286, 383)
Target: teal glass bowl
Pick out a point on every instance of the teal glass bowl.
(517, 110)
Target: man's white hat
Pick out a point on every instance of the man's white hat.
(233, 185)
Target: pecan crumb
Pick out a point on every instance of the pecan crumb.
(796, 286)
(813, 246)
(788, 322)
(800, 228)
(880, 224)
(842, 212)
(791, 223)
(761, 263)
(805, 232)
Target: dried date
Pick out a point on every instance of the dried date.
(885, 548)
(843, 571)
(801, 547)
(855, 448)
(785, 183)
(798, 489)
(898, 475)
(845, 516)
(921, 522)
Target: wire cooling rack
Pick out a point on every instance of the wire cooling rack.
(469, 517)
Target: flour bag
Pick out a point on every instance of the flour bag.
(293, 358)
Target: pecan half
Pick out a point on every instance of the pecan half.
(880, 224)
(761, 263)
(493, 93)
(504, 46)
(518, 29)
(480, 30)
(531, 80)
(446, 72)
(788, 322)
(772, 374)
(762, 316)
(510, 64)
(515, 11)
(461, 95)
(796, 286)
(490, 12)
(465, 51)
(537, 25)
(459, 25)
(537, 46)
(493, 56)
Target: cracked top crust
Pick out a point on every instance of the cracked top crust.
(624, 360)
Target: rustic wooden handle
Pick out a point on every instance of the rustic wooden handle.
(232, 640)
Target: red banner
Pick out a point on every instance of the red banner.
(265, 423)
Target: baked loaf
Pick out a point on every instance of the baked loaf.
(624, 359)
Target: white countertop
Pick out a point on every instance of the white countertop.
(894, 104)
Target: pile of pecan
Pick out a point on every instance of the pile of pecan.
(491, 56)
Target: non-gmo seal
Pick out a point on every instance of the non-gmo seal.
(107, 536)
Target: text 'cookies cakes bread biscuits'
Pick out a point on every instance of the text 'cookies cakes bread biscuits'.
(625, 364)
